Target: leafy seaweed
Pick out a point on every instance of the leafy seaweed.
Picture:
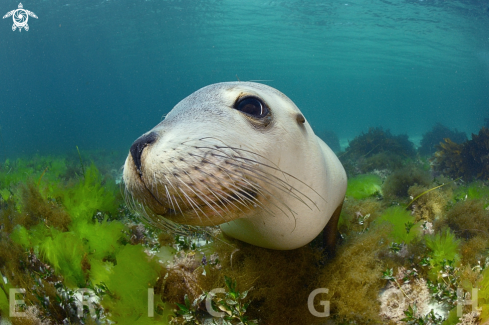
(444, 247)
(89, 195)
(469, 160)
(363, 186)
(404, 228)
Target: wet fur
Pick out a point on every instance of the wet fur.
(241, 173)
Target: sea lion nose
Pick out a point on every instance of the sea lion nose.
(138, 147)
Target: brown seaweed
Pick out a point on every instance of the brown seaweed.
(469, 160)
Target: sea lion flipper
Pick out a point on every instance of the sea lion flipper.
(331, 233)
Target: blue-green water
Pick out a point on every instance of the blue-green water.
(98, 73)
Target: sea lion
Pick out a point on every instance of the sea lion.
(240, 155)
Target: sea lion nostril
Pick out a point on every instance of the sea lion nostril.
(138, 147)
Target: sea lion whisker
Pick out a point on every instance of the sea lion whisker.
(174, 188)
(178, 193)
(139, 207)
(202, 198)
(260, 190)
(223, 205)
(287, 187)
(170, 199)
(192, 203)
(224, 197)
(199, 196)
(250, 161)
(151, 193)
(230, 182)
(215, 195)
(238, 193)
(235, 149)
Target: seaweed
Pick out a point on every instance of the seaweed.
(474, 190)
(381, 161)
(47, 211)
(376, 140)
(469, 160)
(377, 149)
(429, 203)
(404, 230)
(128, 284)
(58, 234)
(89, 195)
(444, 247)
(469, 219)
(62, 234)
(397, 184)
(274, 300)
(357, 215)
(439, 132)
(483, 296)
(363, 186)
(474, 250)
(353, 279)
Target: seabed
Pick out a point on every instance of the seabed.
(414, 248)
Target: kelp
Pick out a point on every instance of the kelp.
(469, 160)
(377, 149)
(376, 140)
(439, 132)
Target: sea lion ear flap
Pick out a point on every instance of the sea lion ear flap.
(300, 118)
(331, 235)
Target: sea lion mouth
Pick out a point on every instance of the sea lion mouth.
(203, 191)
(205, 182)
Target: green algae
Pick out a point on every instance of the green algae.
(93, 247)
(363, 186)
(5, 194)
(89, 195)
(129, 281)
(19, 170)
(477, 190)
(444, 247)
(403, 226)
(89, 249)
(483, 296)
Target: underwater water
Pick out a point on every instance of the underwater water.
(89, 77)
(97, 73)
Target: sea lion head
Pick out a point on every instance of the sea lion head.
(236, 154)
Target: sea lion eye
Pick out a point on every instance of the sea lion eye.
(252, 106)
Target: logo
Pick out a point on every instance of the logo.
(20, 17)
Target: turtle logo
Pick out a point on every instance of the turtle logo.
(20, 17)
